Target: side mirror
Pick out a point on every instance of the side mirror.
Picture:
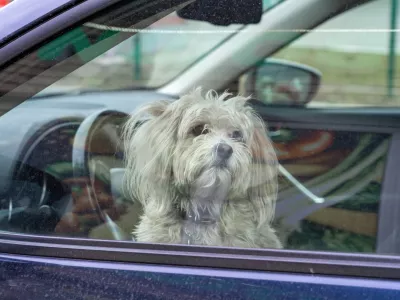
(281, 82)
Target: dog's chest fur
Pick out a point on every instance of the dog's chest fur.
(210, 217)
(236, 227)
(201, 233)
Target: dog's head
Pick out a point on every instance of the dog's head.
(201, 141)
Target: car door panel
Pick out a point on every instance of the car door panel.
(39, 278)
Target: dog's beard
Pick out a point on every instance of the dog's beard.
(205, 180)
(196, 164)
(209, 192)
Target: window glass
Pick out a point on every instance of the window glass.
(356, 55)
(68, 162)
(346, 169)
(358, 61)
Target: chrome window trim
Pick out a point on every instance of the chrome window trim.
(269, 260)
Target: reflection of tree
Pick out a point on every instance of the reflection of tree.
(266, 86)
(273, 92)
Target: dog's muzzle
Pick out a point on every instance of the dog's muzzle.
(223, 153)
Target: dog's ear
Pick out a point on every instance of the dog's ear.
(264, 173)
(238, 101)
(148, 149)
(259, 143)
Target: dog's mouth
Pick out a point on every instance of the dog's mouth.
(216, 165)
(220, 164)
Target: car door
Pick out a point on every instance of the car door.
(51, 265)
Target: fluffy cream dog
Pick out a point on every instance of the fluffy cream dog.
(204, 170)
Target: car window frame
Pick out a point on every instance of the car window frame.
(304, 262)
(33, 15)
(267, 260)
(48, 25)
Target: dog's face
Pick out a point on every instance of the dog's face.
(213, 140)
(199, 141)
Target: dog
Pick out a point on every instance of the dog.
(204, 171)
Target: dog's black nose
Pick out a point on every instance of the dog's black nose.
(224, 150)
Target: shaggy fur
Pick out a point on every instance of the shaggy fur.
(204, 170)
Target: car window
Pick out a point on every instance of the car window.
(79, 162)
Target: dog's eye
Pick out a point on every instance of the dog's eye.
(199, 129)
(237, 135)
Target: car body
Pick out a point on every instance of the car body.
(38, 266)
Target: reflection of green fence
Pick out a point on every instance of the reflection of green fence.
(392, 49)
(137, 57)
